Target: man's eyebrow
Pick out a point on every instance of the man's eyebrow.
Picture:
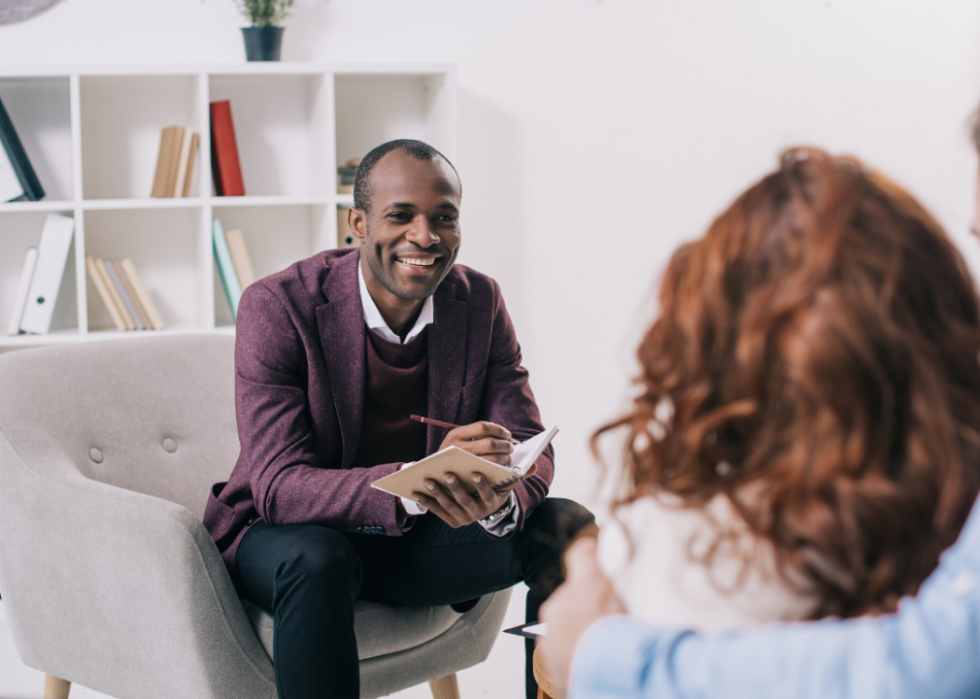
(399, 205)
(449, 206)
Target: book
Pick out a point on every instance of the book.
(134, 279)
(100, 285)
(52, 255)
(10, 189)
(123, 294)
(226, 268)
(240, 258)
(411, 479)
(130, 293)
(23, 289)
(195, 141)
(224, 152)
(127, 320)
(163, 179)
(180, 176)
(345, 236)
(18, 158)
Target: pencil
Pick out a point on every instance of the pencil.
(447, 425)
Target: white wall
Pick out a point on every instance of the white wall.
(597, 134)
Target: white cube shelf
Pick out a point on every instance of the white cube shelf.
(93, 135)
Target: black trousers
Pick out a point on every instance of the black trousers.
(308, 576)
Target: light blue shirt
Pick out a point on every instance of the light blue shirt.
(929, 648)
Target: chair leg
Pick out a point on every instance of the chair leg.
(56, 688)
(445, 687)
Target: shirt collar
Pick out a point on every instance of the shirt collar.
(377, 323)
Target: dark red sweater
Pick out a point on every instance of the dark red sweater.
(396, 386)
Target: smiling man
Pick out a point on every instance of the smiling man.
(332, 357)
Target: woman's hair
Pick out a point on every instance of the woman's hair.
(815, 360)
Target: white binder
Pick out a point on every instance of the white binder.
(52, 254)
(10, 188)
(26, 275)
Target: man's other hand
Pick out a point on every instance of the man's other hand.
(585, 597)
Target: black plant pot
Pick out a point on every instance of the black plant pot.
(262, 43)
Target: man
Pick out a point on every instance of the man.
(929, 648)
(333, 355)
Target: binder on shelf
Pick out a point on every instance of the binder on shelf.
(10, 189)
(240, 258)
(127, 320)
(124, 295)
(134, 279)
(100, 285)
(195, 141)
(225, 165)
(26, 274)
(226, 268)
(345, 236)
(52, 255)
(17, 156)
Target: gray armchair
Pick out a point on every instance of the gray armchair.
(109, 579)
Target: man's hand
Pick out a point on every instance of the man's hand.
(484, 439)
(584, 597)
(459, 504)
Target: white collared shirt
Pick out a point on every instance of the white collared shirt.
(377, 323)
(506, 520)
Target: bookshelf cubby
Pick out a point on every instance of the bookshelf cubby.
(93, 134)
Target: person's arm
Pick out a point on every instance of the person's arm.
(508, 401)
(930, 647)
(289, 486)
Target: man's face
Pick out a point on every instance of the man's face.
(411, 233)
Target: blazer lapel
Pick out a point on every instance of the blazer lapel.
(342, 339)
(447, 357)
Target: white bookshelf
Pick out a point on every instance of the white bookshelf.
(93, 134)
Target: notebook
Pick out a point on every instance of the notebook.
(464, 464)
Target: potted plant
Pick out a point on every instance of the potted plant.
(263, 40)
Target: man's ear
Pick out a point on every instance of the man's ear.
(357, 220)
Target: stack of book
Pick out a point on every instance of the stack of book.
(18, 180)
(123, 293)
(175, 162)
(40, 278)
(234, 264)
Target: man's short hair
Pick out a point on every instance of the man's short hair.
(416, 149)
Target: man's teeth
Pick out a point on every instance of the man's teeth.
(417, 261)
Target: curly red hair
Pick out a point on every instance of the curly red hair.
(817, 350)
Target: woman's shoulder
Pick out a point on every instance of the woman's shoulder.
(696, 567)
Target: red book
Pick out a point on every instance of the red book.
(224, 152)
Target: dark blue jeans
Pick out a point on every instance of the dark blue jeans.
(308, 576)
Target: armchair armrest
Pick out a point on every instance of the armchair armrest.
(112, 588)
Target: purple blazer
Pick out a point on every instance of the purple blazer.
(299, 397)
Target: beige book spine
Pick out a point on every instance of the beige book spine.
(195, 141)
(185, 153)
(114, 293)
(173, 157)
(131, 291)
(163, 158)
(99, 282)
(240, 258)
(134, 278)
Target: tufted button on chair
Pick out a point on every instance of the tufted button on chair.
(107, 453)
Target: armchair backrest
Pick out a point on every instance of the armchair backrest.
(150, 414)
